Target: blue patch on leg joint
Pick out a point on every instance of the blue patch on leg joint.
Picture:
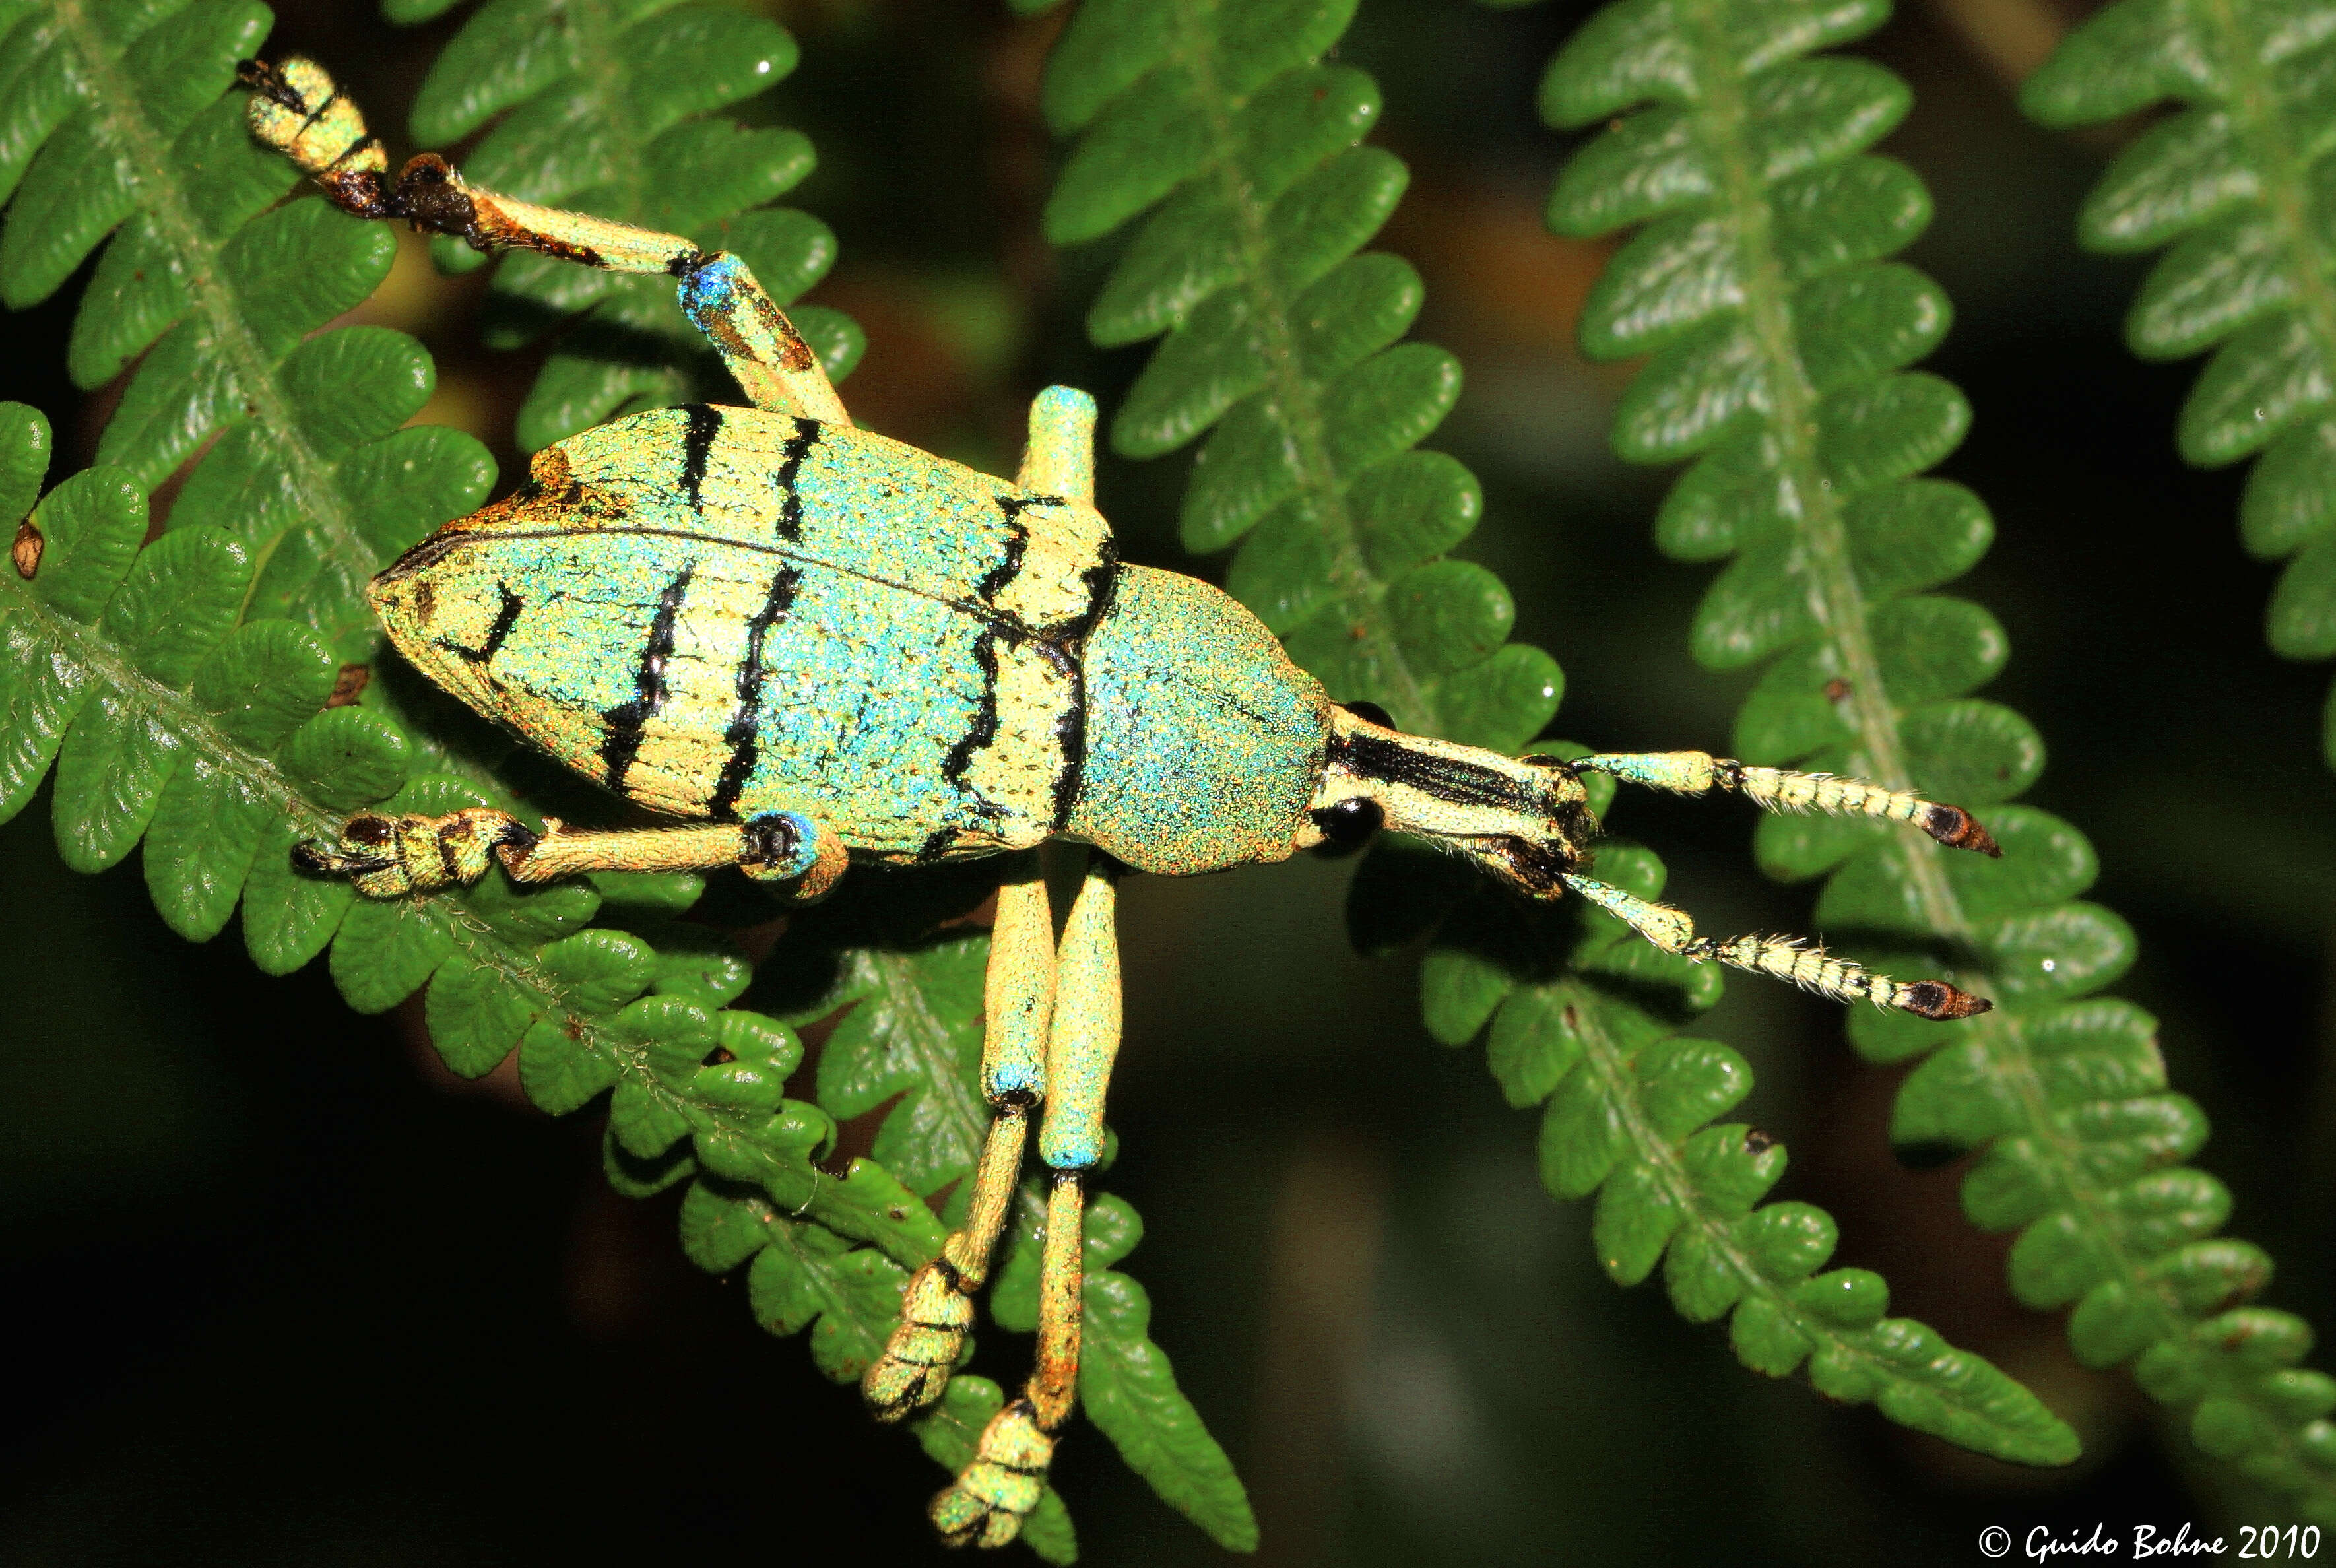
(780, 846)
(709, 289)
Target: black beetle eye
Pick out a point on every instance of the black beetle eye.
(370, 830)
(1349, 823)
(1371, 712)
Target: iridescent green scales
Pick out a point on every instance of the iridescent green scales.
(1176, 659)
(801, 643)
(725, 613)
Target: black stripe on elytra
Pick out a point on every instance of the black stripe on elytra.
(984, 727)
(1101, 580)
(626, 719)
(1449, 779)
(746, 724)
(1070, 733)
(791, 461)
(506, 617)
(999, 578)
(1102, 585)
(698, 446)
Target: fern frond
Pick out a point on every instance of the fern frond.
(185, 691)
(605, 111)
(1222, 122)
(1579, 1013)
(172, 710)
(119, 123)
(1779, 338)
(2238, 185)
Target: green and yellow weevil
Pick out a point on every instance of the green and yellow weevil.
(806, 644)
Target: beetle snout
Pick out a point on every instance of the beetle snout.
(1527, 823)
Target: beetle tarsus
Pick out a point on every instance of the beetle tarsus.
(935, 1316)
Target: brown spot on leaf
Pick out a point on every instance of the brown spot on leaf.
(1835, 689)
(348, 683)
(1756, 1141)
(26, 550)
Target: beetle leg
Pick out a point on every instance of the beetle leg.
(1017, 1005)
(389, 856)
(1694, 773)
(1786, 958)
(987, 1504)
(297, 109)
(775, 847)
(776, 369)
(1060, 459)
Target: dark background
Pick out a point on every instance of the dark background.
(282, 1291)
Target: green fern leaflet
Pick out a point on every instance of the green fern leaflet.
(1779, 336)
(2235, 185)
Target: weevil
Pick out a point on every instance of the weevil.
(804, 644)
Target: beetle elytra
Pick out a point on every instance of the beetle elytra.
(805, 644)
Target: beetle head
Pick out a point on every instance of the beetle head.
(1527, 823)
